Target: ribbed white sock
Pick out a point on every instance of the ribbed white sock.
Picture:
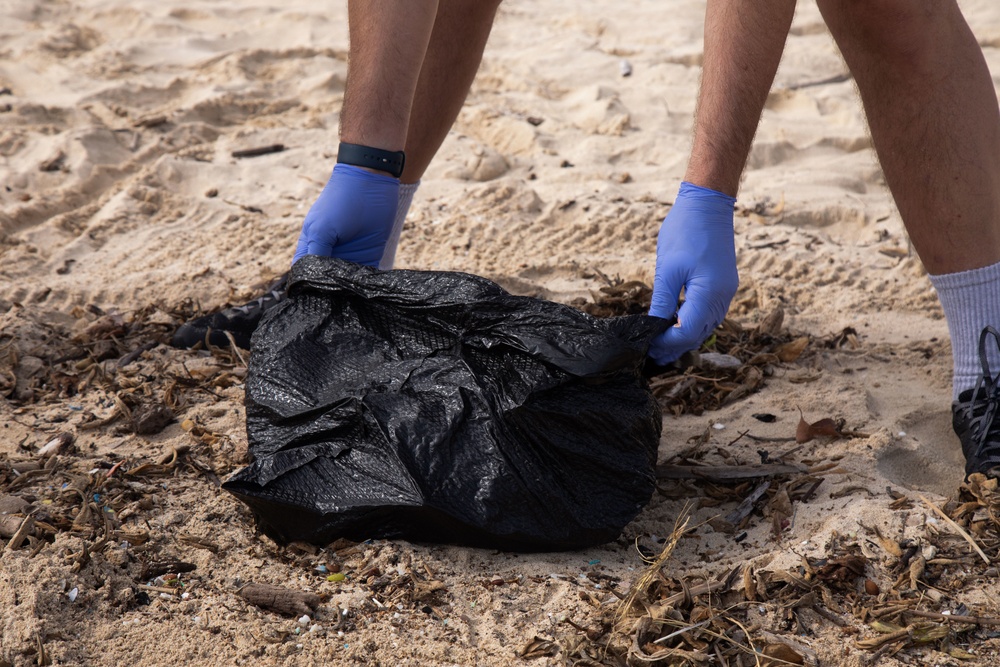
(971, 302)
(406, 192)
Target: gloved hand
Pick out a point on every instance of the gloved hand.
(352, 218)
(695, 250)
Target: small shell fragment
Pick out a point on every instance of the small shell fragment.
(56, 445)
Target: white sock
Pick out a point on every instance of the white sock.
(971, 302)
(406, 192)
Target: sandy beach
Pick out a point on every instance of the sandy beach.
(123, 212)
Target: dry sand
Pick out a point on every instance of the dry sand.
(134, 108)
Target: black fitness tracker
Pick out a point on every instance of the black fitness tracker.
(372, 158)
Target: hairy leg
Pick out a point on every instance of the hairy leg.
(389, 39)
(411, 65)
(456, 49)
(744, 40)
(934, 120)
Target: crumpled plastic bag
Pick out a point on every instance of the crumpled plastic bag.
(435, 406)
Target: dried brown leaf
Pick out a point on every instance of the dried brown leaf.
(749, 583)
(539, 647)
(917, 567)
(845, 569)
(930, 632)
(805, 431)
(885, 628)
(782, 654)
(791, 351)
(771, 324)
(959, 654)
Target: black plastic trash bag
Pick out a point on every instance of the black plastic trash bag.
(436, 406)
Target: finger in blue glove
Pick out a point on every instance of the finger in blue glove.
(352, 218)
(696, 252)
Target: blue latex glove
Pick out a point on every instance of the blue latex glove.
(695, 250)
(352, 218)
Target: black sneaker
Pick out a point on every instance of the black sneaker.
(240, 321)
(976, 417)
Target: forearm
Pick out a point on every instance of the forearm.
(743, 44)
(389, 39)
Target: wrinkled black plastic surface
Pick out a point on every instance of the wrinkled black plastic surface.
(436, 406)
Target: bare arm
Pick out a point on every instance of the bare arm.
(743, 44)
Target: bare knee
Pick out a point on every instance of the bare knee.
(897, 30)
(478, 8)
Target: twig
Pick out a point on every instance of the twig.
(22, 533)
(761, 438)
(746, 506)
(956, 528)
(136, 353)
(159, 589)
(694, 591)
(686, 628)
(727, 473)
(261, 150)
(236, 348)
(737, 439)
(198, 543)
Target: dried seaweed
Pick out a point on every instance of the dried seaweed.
(732, 364)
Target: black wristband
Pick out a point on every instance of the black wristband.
(372, 158)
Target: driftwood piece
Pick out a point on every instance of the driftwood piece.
(261, 150)
(27, 526)
(14, 505)
(727, 473)
(21, 467)
(9, 525)
(280, 599)
(746, 506)
(153, 570)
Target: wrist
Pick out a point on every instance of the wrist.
(712, 175)
(371, 159)
(689, 190)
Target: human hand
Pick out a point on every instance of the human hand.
(352, 218)
(695, 250)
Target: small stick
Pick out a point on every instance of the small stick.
(761, 438)
(692, 592)
(956, 527)
(159, 589)
(137, 352)
(686, 628)
(736, 439)
(260, 150)
(727, 473)
(746, 506)
(198, 543)
(895, 609)
(153, 570)
(236, 348)
(22, 533)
